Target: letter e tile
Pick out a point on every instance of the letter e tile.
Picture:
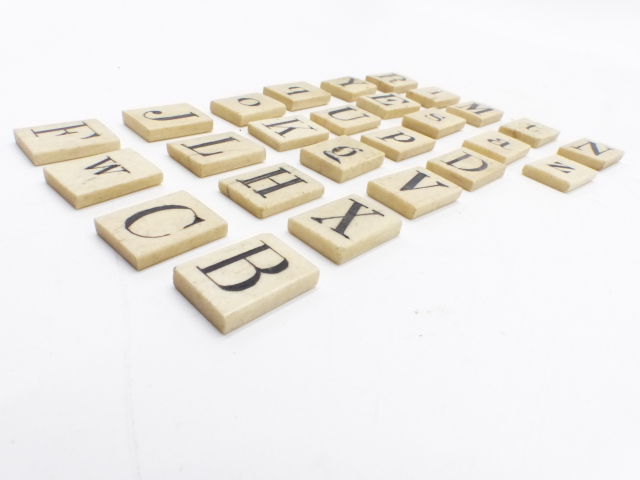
(348, 88)
(591, 154)
(476, 114)
(399, 143)
(530, 132)
(243, 109)
(168, 121)
(298, 96)
(559, 172)
(466, 168)
(387, 105)
(287, 133)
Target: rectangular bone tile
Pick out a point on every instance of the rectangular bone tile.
(434, 123)
(167, 121)
(218, 153)
(270, 190)
(341, 158)
(237, 284)
(65, 141)
(476, 114)
(387, 105)
(399, 143)
(530, 132)
(348, 88)
(591, 154)
(287, 133)
(298, 95)
(392, 82)
(433, 97)
(559, 172)
(497, 146)
(95, 179)
(154, 231)
(413, 192)
(466, 168)
(346, 119)
(242, 109)
(343, 229)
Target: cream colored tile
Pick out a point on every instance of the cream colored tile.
(466, 168)
(299, 95)
(497, 146)
(346, 119)
(476, 114)
(219, 153)
(168, 121)
(559, 172)
(399, 143)
(348, 88)
(392, 82)
(434, 123)
(387, 105)
(154, 231)
(530, 132)
(287, 133)
(343, 229)
(433, 97)
(592, 154)
(413, 192)
(270, 190)
(95, 179)
(242, 109)
(237, 284)
(65, 141)
(341, 158)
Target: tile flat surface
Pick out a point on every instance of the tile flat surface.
(559, 172)
(346, 119)
(433, 97)
(476, 114)
(392, 82)
(270, 190)
(218, 153)
(399, 143)
(497, 146)
(530, 132)
(237, 284)
(387, 105)
(434, 122)
(466, 168)
(298, 95)
(242, 109)
(348, 88)
(90, 180)
(154, 231)
(65, 141)
(167, 121)
(591, 154)
(287, 133)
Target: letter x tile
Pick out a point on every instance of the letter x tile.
(154, 231)
(560, 173)
(530, 132)
(219, 153)
(348, 88)
(476, 114)
(346, 120)
(497, 146)
(434, 123)
(270, 190)
(168, 121)
(466, 168)
(65, 141)
(341, 158)
(387, 105)
(591, 154)
(433, 97)
(242, 109)
(239, 283)
(287, 133)
(91, 180)
(399, 143)
(346, 228)
(299, 95)
(392, 82)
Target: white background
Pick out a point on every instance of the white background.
(497, 338)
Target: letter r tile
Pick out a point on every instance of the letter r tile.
(168, 121)
(237, 284)
(392, 82)
(466, 168)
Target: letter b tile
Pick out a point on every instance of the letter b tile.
(392, 82)
(466, 168)
(239, 283)
(169, 121)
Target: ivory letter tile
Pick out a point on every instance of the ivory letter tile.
(65, 141)
(243, 109)
(239, 283)
(392, 82)
(591, 154)
(530, 132)
(168, 121)
(559, 172)
(297, 96)
(287, 133)
(341, 158)
(346, 119)
(271, 190)
(219, 153)
(399, 143)
(476, 114)
(466, 168)
(387, 105)
(497, 146)
(91, 180)
(154, 231)
(433, 97)
(413, 192)
(346, 228)
(434, 123)
(348, 88)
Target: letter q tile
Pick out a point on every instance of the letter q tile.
(168, 121)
